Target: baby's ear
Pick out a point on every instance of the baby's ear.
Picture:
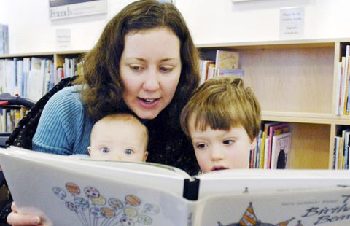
(145, 155)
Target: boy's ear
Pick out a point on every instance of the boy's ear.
(253, 144)
(145, 156)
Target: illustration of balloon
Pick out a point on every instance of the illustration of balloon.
(132, 200)
(100, 201)
(91, 192)
(126, 221)
(149, 208)
(107, 212)
(130, 212)
(95, 211)
(71, 206)
(81, 203)
(59, 192)
(72, 188)
(145, 220)
(115, 203)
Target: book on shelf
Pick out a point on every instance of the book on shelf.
(80, 191)
(281, 146)
(226, 59)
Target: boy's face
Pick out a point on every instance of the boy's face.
(221, 149)
(118, 141)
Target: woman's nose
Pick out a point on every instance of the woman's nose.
(151, 81)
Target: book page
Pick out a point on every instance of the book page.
(162, 176)
(326, 207)
(257, 180)
(81, 194)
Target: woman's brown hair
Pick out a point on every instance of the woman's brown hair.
(102, 85)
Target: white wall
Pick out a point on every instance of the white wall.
(210, 21)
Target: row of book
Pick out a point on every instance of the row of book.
(272, 147)
(342, 86)
(221, 63)
(340, 158)
(9, 118)
(33, 77)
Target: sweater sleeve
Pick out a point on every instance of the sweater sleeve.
(62, 125)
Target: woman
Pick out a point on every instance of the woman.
(145, 64)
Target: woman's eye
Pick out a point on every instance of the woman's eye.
(104, 150)
(128, 151)
(135, 67)
(228, 142)
(166, 69)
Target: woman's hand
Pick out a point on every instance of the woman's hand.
(21, 219)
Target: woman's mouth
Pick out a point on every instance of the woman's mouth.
(148, 102)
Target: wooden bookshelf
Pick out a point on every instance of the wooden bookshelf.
(56, 59)
(295, 82)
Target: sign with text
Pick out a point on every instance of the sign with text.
(291, 22)
(63, 38)
(60, 9)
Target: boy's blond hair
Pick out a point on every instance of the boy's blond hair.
(222, 103)
(127, 118)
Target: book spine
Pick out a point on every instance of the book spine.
(191, 189)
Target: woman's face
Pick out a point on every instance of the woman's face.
(150, 68)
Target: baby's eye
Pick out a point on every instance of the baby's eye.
(104, 150)
(128, 151)
(200, 146)
(228, 142)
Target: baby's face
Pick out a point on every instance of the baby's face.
(221, 149)
(118, 141)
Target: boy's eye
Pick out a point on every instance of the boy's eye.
(104, 150)
(228, 142)
(128, 151)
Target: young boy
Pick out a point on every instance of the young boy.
(120, 137)
(222, 119)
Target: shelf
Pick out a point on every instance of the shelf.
(273, 44)
(301, 117)
(44, 54)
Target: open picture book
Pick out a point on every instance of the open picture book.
(73, 190)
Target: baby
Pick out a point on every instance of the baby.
(222, 119)
(119, 137)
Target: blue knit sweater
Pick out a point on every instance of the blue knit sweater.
(64, 127)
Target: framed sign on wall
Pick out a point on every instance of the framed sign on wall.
(60, 9)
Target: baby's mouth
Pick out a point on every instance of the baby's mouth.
(218, 168)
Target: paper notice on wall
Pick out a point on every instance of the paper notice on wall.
(291, 23)
(63, 38)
